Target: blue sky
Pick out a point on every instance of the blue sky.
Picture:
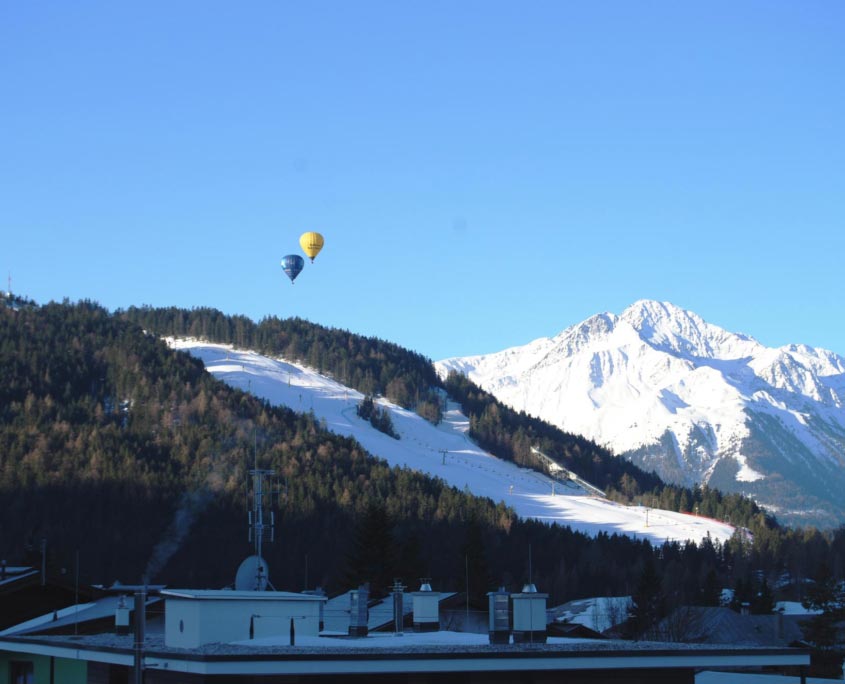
(485, 173)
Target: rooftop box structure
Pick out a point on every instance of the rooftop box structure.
(426, 609)
(499, 628)
(194, 618)
(529, 616)
(358, 612)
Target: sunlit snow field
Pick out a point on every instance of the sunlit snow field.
(422, 446)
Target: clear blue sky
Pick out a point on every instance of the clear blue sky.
(485, 173)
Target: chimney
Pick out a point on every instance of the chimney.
(358, 612)
(499, 616)
(426, 608)
(318, 592)
(398, 607)
(121, 617)
(43, 561)
(529, 616)
(140, 633)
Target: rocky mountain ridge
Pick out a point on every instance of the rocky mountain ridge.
(694, 402)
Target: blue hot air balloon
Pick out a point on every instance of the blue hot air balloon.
(292, 265)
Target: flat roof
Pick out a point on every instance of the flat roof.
(231, 595)
(388, 653)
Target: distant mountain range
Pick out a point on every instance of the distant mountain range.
(689, 400)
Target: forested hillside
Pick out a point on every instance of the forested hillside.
(373, 366)
(510, 434)
(367, 364)
(105, 433)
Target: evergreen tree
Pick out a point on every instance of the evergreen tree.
(476, 566)
(372, 554)
(827, 595)
(647, 602)
(743, 593)
(763, 602)
(711, 591)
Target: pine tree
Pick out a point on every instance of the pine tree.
(827, 595)
(711, 592)
(475, 562)
(372, 555)
(763, 602)
(647, 603)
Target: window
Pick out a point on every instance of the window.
(21, 672)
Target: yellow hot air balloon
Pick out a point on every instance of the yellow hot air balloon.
(311, 244)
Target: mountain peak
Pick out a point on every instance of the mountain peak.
(671, 329)
(654, 309)
(691, 400)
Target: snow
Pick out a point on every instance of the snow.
(746, 473)
(422, 445)
(599, 613)
(15, 573)
(382, 640)
(630, 380)
(708, 677)
(47, 618)
(795, 608)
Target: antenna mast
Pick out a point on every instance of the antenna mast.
(258, 529)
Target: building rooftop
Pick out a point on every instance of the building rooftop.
(234, 595)
(432, 654)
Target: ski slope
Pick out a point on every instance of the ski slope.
(443, 451)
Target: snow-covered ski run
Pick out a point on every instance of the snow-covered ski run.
(443, 451)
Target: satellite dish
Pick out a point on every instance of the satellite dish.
(252, 575)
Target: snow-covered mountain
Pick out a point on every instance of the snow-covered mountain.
(444, 450)
(692, 401)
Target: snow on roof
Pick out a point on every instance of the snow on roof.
(230, 595)
(84, 612)
(412, 652)
(15, 573)
(795, 608)
(385, 640)
(444, 450)
(599, 613)
(53, 617)
(336, 612)
(707, 677)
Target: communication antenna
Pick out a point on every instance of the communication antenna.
(254, 572)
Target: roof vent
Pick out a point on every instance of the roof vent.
(121, 617)
(499, 616)
(529, 616)
(426, 608)
(398, 607)
(358, 612)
